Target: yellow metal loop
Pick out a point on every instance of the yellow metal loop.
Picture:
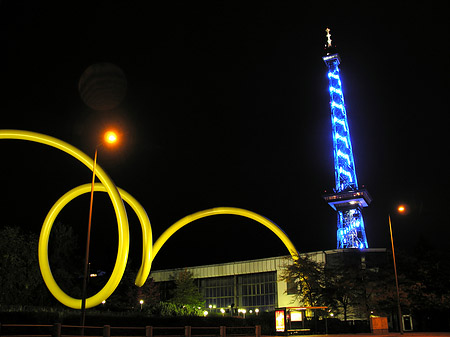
(230, 211)
(104, 293)
(148, 251)
(119, 208)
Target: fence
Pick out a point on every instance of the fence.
(56, 330)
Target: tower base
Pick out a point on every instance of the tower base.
(350, 222)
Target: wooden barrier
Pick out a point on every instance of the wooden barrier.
(56, 330)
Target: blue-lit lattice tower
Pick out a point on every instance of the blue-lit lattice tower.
(347, 199)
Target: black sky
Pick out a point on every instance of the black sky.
(227, 105)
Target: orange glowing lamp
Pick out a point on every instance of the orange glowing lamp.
(401, 209)
(110, 137)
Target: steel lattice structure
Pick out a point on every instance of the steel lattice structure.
(347, 199)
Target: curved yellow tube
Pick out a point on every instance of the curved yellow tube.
(225, 210)
(119, 208)
(148, 252)
(104, 293)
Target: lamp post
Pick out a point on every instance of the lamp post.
(110, 137)
(400, 209)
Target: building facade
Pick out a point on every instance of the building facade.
(248, 285)
(254, 285)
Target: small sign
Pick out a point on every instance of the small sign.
(296, 316)
(280, 320)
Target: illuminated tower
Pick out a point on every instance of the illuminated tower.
(347, 199)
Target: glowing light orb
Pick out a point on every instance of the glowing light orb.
(401, 209)
(110, 137)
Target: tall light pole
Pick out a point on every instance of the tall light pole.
(400, 209)
(110, 137)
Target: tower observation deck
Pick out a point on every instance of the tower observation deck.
(347, 199)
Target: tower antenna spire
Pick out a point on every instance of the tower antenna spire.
(328, 37)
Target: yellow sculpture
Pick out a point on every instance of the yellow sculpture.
(119, 268)
(148, 251)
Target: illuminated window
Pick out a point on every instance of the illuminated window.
(218, 291)
(258, 290)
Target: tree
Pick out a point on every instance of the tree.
(308, 277)
(128, 296)
(20, 279)
(62, 249)
(343, 287)
(424, 278)
(379, 291)
(354, 282)
(149, 293)
(125, 297)
(186, 293)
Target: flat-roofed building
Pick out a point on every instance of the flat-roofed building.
(255, 284)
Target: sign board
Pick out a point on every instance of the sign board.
(280, 320)
(379, 324)
(296, 316)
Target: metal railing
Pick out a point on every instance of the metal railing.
(61, 330)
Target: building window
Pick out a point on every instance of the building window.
(291, 288)
(218, 292)
(249, 291)
(258, 291)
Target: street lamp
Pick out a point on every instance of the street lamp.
(243, 311)
(141, 303)
(401, 209)
(110, 137)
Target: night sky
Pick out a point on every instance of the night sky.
(227, 105)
